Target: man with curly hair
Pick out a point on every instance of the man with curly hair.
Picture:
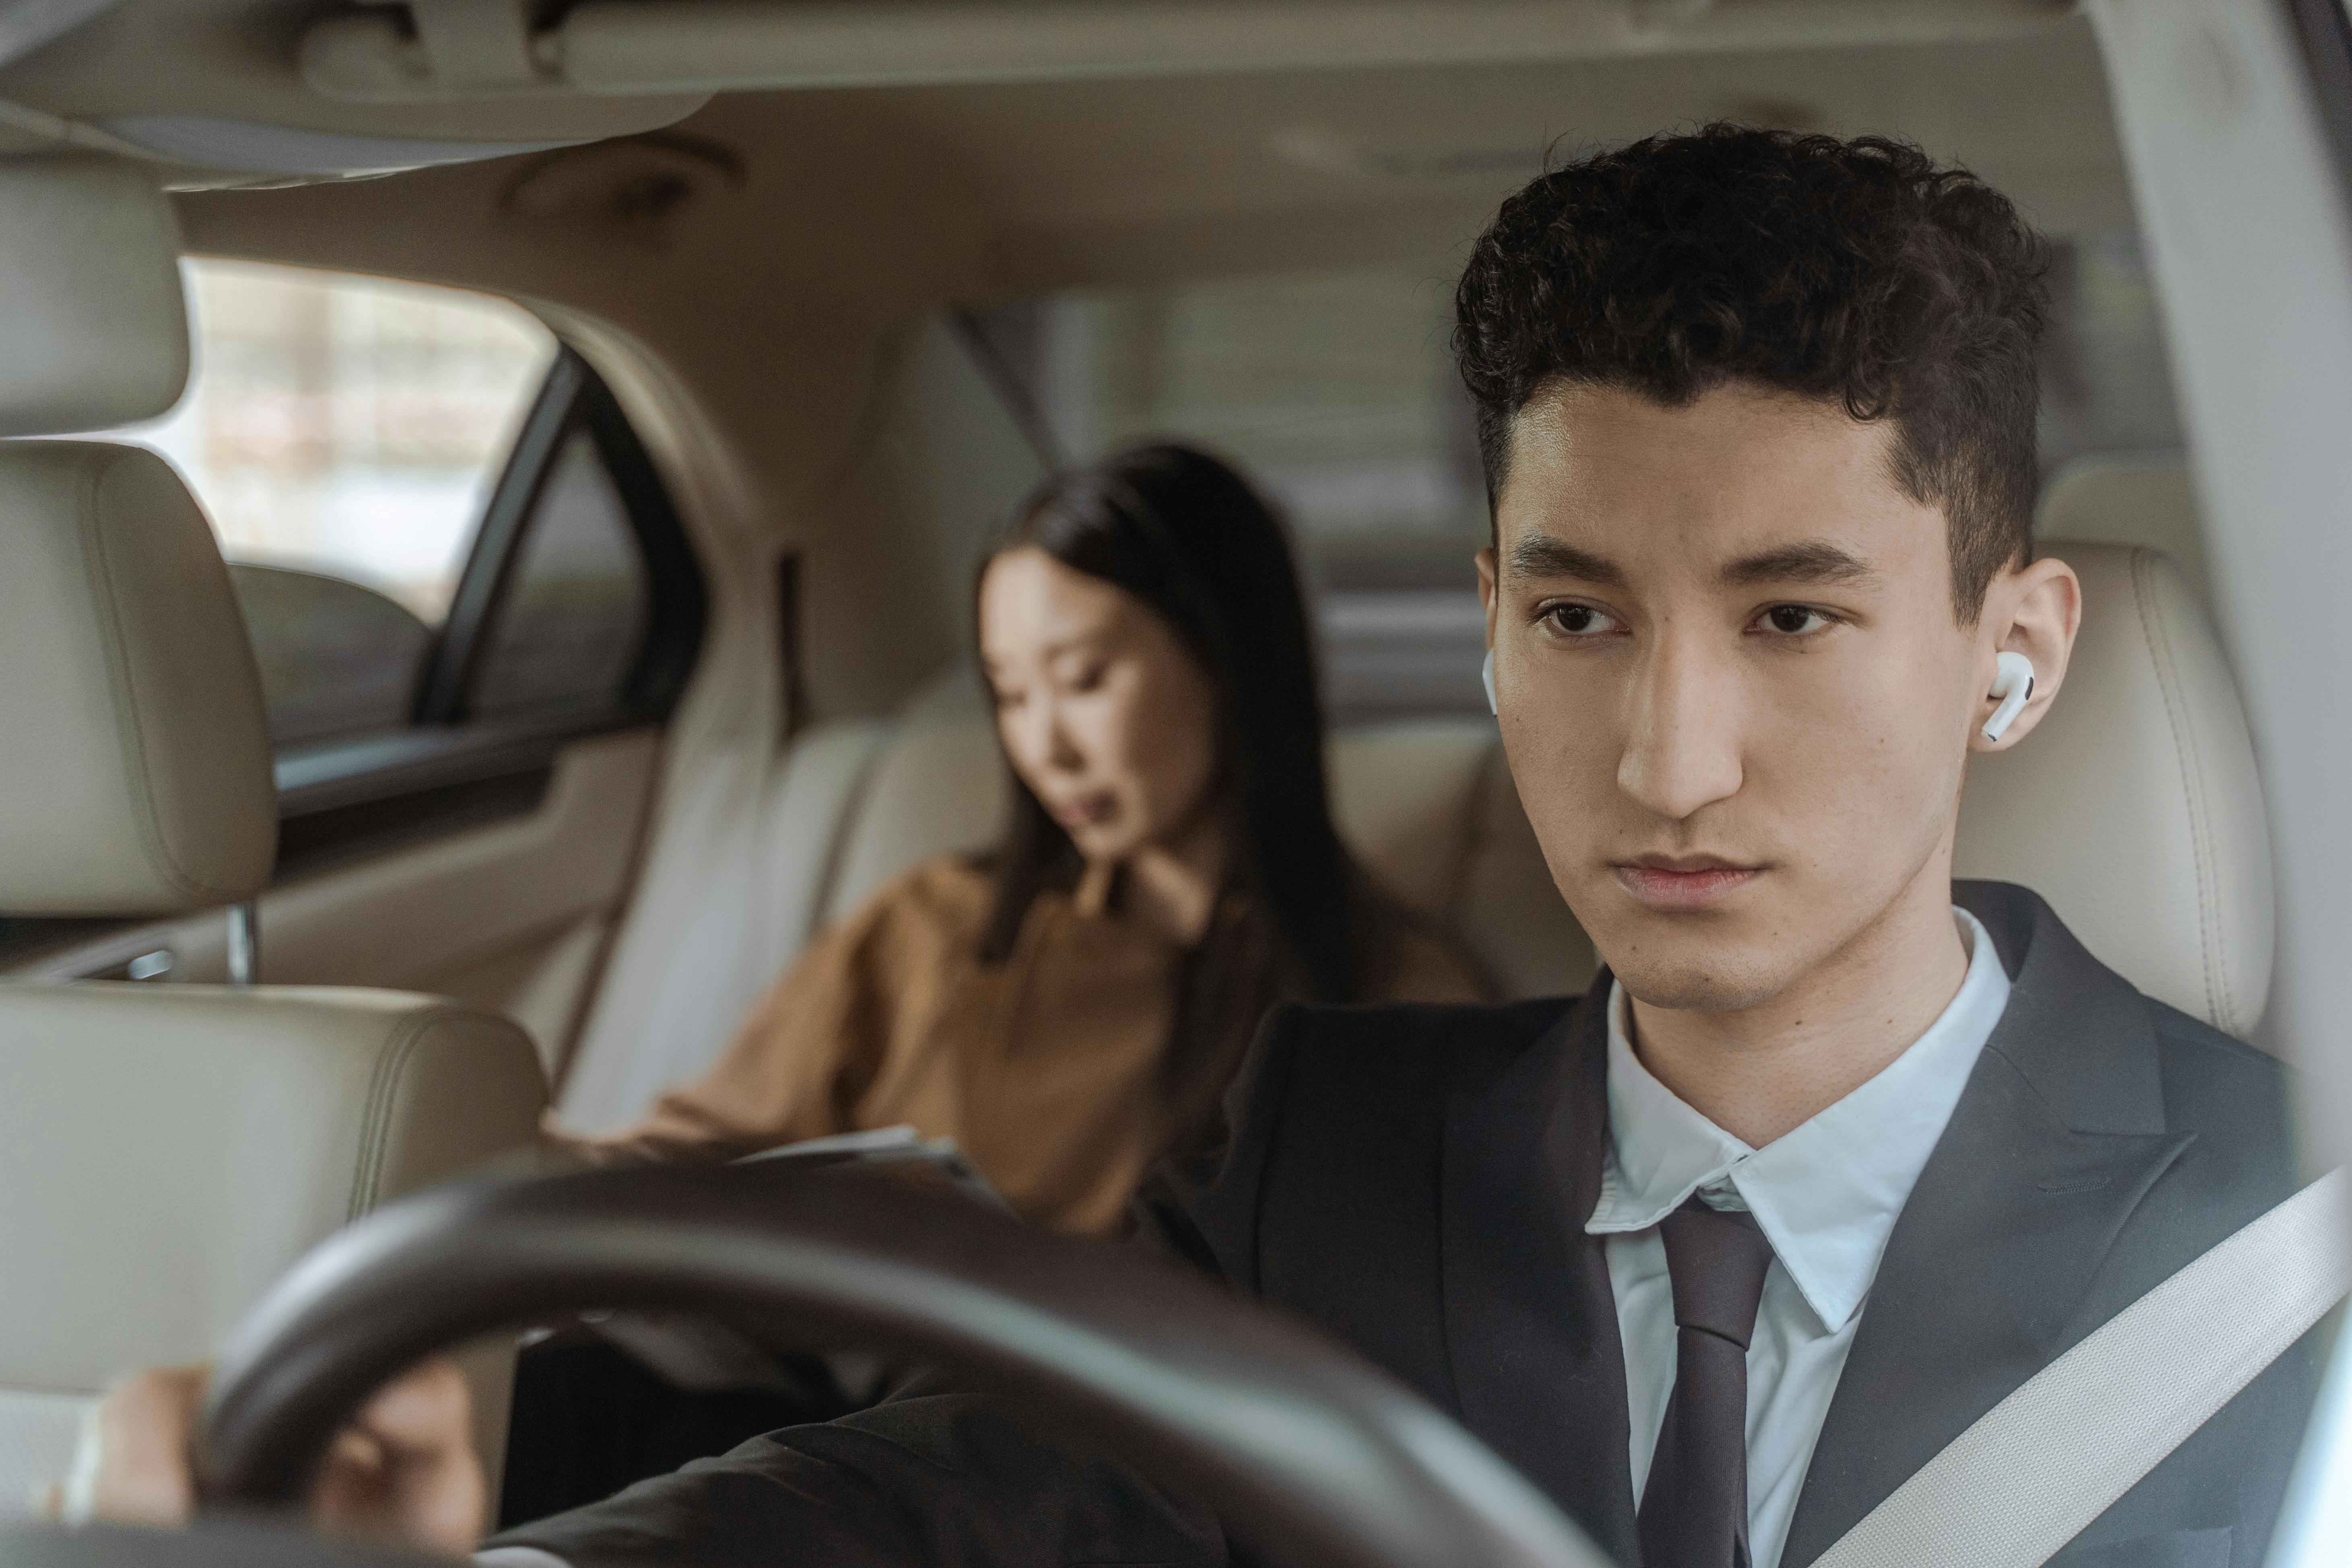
(1835, 1154)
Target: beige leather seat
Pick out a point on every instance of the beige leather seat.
(165, 1150)
(1428, 807)
(2128, 498)
(2134, 809)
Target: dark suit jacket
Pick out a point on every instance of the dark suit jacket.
(1416, 1181)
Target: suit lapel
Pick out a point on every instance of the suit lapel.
(1531, 1323)
(2056, 1139)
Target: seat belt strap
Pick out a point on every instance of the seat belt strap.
(2043, 1463)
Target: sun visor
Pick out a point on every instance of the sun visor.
(94, 327)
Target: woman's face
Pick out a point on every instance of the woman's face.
(1106, 716)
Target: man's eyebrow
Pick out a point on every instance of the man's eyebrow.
(1815, 562)
(1543, 556)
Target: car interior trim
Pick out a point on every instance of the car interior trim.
(625, 46)
(489, 564)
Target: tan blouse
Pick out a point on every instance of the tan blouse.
(1046, 1068)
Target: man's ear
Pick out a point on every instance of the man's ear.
(2034, 610)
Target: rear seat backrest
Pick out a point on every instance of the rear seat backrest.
(1430, 810)
(2134, 809)
(2151, 502)
(1428, 807)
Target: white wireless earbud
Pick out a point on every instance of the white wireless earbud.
(2012, 683)
(1487, 679)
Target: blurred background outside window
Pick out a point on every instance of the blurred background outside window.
(1335, 392)
(348, 425)
(343, 433)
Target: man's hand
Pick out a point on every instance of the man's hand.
(402, 1473)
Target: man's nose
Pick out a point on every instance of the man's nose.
(1683, 740)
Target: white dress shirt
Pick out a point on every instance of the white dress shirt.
(1826, 1196)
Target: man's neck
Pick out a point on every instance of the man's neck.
(1761, 1071)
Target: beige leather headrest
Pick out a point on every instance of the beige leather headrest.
(2146, 501)
(93, 329)
(135, 765)
(2134, 808)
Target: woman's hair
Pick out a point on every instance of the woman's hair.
(1187, 536)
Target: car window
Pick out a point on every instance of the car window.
(343, 433)
(1337, 391)
(337, 658)
(453, 554)
(575, 609)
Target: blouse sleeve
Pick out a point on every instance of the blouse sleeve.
(808, 1048)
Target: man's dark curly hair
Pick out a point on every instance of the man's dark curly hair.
(1854, 271)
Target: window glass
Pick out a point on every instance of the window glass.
(342, 433)
(2106, 383)
(336, 659)
(576, 607)
(350, 425)
(1335, 392)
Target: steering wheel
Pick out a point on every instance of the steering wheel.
(1307, 1453)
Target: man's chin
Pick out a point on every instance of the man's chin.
(1693, 971)
(1694, 989)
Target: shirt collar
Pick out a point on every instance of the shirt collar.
(1825, 1195)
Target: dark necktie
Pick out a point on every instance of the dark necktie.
(1693, 1510)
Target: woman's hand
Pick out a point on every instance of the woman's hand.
(402, 1473)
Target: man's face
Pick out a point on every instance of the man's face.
(1734, 694)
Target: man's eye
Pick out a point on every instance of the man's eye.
(1580, 620)
(1085, 679)
(1793, 620)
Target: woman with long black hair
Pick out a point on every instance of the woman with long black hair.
(1071, 1006)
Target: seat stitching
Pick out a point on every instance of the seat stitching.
(375, 1123)
(2211, 932)
(130, 732)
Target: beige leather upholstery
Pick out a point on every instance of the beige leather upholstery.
(93, 329)
(136, 770)
(1431, 809)
(1428, 807)
(2128, 500)
(218, 1133)
(2134, 808)
(168, 1150)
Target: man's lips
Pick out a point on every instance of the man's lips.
(1683, 882)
